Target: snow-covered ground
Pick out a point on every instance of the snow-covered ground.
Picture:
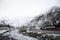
(19, 36)
(1, 31)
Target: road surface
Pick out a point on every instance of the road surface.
(57, 33)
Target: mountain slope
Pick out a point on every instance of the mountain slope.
(51, 18)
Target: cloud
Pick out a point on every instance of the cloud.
(19, 9)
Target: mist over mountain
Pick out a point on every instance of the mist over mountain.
(46, 18)
(51, 17)
(16, 22)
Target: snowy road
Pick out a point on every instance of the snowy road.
(19, 36)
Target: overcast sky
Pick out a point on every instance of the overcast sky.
(24, 9)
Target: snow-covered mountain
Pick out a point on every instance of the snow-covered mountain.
(51, 17)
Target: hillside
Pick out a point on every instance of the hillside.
(50, 19)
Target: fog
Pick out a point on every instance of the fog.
(22, 11)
